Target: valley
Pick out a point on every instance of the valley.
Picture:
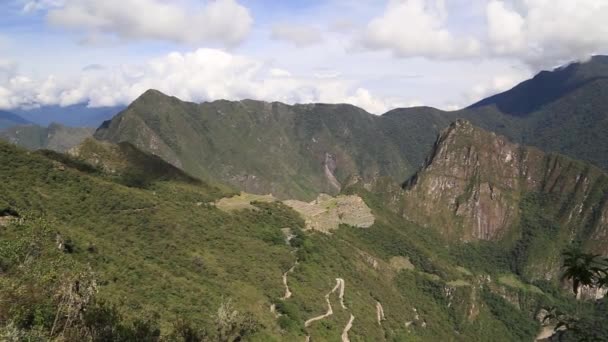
(257, 221)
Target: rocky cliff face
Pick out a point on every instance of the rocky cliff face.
(474, 183)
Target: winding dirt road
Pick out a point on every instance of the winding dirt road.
(347, 328)
(379, 313)
(339, 286)
(288, 293)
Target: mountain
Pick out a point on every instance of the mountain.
(564, 111)
(547, 87)
(289, 151)
(434, 228)
(54, 137)
(302, 150)
(169, 255)
(8, 119)
(129, 163)
(477, 186)
(78, 115)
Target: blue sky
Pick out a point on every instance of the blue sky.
(375, 54)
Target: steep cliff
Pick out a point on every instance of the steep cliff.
(477, 185)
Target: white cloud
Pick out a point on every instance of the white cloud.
(547, 32)
(298, 35)
(276, 72)
(38, 5)
(201, 75)
(217, 21)
(417, 28)
(495, 85)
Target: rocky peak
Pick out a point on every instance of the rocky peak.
(473, 183)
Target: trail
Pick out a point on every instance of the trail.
(340, 286)
(327, 314)
(287, 291)
(379, 313)
(347, 328)
(341, 296)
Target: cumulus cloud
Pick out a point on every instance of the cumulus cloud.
(547, 32)
(298, 35)
(217, 21)
(201, 75)
(417, 28)
(496, 84)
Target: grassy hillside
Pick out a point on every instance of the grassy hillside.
(164, 255)
(290, 151)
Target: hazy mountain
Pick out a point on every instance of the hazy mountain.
(54, 137)
(8, 119)
(79, 115)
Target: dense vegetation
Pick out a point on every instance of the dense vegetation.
(161, 262)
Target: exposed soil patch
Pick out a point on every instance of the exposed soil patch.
(242, 201)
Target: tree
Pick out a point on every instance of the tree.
(584, 269)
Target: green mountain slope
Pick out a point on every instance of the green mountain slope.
(564, 111)
(165, 253)
(55, 137)
(547, 87)
(301, 150)
(290, 151)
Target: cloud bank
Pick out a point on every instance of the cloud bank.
(417, 28)
(298, 35)
(201, 75)
(547, 32)
(218, 21)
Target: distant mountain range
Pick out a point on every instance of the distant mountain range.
(78, 115)
(8, 119)
(55, 137)
(300, 150)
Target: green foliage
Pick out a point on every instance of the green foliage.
(538, 229)
(160, 253)
(523, 329)
(483, 256)
(584, 269)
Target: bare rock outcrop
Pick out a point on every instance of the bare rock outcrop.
(474, 181)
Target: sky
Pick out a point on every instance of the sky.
(375, 54)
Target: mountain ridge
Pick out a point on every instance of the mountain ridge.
(310, 148)
(55, 137)
(355, 142)
(8, 119)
